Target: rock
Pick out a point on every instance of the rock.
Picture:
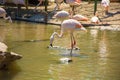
(65, 60)
(7, 57)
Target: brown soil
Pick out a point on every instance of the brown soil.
(84, 9)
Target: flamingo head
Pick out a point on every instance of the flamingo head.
(80, 27)
(52, 38)
(83, 29)
(9, 18)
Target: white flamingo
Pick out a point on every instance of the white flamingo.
(95, 19)
(3, 14)
(13, 1)
(105, 4)
(61, 15)
(79, 17)
(68, 25)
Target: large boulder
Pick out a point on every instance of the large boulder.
(7, 57)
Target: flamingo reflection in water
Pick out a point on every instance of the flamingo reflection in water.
(3, 14)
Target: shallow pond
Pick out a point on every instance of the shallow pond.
(97, 59)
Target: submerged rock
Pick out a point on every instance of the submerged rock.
(65, 60)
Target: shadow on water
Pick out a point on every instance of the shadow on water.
(10, 72)
(33, 40)
(74, 54)
(23, 42)
(1, 25)
(65, 52)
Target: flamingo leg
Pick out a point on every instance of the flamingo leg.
(40, 2)
(74, 41)
(71, 35)
(73, 10)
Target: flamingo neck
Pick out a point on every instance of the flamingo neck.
(53, 35)
(7, 18)
(52, 38)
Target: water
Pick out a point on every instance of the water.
(98, 58)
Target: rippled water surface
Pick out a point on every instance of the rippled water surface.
(97, 59)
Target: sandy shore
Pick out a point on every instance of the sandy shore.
(84, 9)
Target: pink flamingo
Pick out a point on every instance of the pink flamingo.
(80, 17)
(73, 2)
(62, 15)
(95, 19)
(68, 25)
(19, 2)
(70, 2)
(3, 14)
(14, 1)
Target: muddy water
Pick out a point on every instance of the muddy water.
(97, 59)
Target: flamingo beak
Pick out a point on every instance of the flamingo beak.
(84, 29)
(10, 21)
